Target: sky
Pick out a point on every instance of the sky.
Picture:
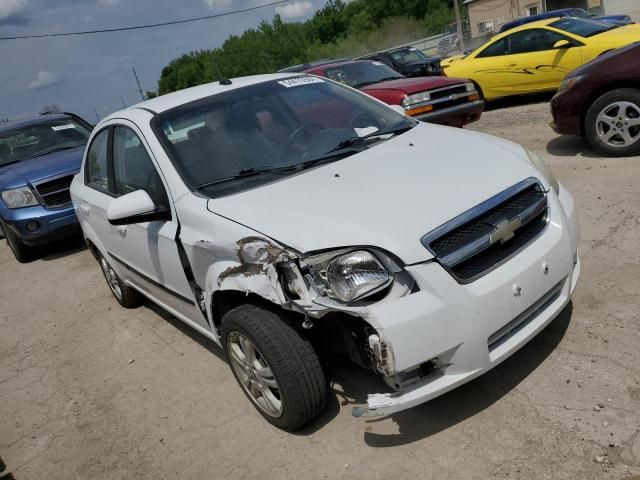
(83, 73)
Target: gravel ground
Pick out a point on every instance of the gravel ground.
(89, 390)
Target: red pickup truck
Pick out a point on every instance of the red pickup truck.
(444, 100)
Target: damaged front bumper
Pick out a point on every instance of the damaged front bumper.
(462, 331)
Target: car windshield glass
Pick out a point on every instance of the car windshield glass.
(408, 55)
(256, 134)
(359, 74)
(38, 139)
(581, 26)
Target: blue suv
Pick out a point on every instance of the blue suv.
(568, 12)
(38, 159)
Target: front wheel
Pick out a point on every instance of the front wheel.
(23, 252)
(125, 295)
(276, 368)
(612, 124)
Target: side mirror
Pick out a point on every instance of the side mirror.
(135, 207)
(562, 44)
(399, 109)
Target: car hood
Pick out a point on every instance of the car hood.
(414, 85)
(388, 196)
(36, 169)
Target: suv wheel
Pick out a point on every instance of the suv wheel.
(126, 296)
(23, 252)
(612, 124)
(276, 368)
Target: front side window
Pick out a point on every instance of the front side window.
(97, 172)
(359, 74)
(133, 169)
(534, 40)
(497, 48)
(256, 134)
(42, 138)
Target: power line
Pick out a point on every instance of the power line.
(151, 25)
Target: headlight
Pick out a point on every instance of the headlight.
(470, 87)
(546, 172)
(416, 98)
(570, 82)
(19, 198)
(349, 276)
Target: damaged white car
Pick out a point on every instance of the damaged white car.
(282, 214)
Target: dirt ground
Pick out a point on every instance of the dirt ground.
(89, 390)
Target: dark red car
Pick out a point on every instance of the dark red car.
(601, 102)
(443, 100)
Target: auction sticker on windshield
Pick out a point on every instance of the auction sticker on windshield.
(296, 82)
(55, 128)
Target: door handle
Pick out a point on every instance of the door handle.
(85, 208)
(122, 230)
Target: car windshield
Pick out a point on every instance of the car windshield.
(408, 55)
(251, 135)
(359, 74)
(582, 27)
(26, 142)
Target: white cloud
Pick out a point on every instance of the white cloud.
(217, 4)
(9, 8)
(43, 80)
(294, 10)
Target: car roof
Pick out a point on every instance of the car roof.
(175, 99)
(538, 23)
(26, 122)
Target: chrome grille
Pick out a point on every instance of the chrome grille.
(446, 91)
(55, 193)
(481, 239)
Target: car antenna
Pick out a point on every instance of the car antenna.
(222, 80)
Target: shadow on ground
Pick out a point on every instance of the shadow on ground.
(61, 248)
(571, 146)
(517, 101)
(4, 475)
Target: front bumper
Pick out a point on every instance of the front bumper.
(455, 116)
(53, 224)
(466, 330)
(566, 111)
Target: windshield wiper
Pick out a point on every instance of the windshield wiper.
(252, 172)
(52, 150)
(354, 141)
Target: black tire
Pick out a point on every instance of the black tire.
(295, 366)
(126, 296)
(615, 146)
(23, 252)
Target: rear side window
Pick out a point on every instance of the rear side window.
(97, 175)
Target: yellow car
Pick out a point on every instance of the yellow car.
(537, 56)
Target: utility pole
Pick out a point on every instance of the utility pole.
(97, 116)
(456, 9)
(138, 82)
(122, 98)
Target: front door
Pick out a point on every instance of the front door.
(532, 64)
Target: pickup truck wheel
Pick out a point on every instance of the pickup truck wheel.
(126, 296)
(612, 123)
(23, 253)
(276, 368)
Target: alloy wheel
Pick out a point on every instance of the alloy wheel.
(255, 374)
(618, 124)
(112, 278)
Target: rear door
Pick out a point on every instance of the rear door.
(533, 65)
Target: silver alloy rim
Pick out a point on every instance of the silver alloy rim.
(618, 124)
(255, 374)
(112, 278)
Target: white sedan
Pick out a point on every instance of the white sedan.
(285, 215)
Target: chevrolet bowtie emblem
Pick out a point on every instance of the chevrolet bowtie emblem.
(505, 230)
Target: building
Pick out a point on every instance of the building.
(487, 16)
